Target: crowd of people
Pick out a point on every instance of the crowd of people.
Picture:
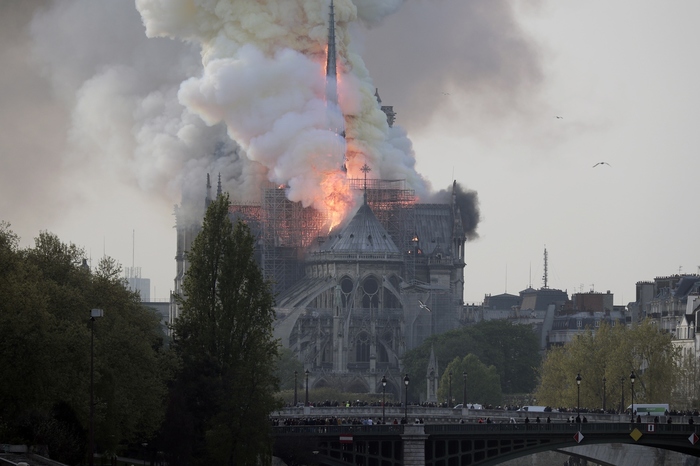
(339, 421)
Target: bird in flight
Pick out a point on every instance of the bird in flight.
(602, 163)
(559, 117)
(422, 305)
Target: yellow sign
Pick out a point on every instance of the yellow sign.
(636, 434)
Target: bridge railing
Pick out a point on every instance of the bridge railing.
(460, 429)
(590, 427)
(344, 429)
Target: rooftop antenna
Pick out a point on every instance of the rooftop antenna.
(545, 276)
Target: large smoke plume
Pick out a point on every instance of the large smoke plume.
(264, 78)
(98, 109)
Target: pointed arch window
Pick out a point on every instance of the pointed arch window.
(362, 348)
(370, 292)
(346, 287)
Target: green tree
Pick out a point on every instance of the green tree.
(224, 337)
(511, 348)
(483, 382)
(612, 353)
(45, 299)
(285, 367)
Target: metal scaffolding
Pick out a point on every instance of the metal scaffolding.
(285, 229)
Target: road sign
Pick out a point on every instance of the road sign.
(693, 438)
(345, 438)
(578, 436)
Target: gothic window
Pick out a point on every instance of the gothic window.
(326, 354)
(386, 342)
(389, 299)
(346, 286)
(362, 348)
(370, 292)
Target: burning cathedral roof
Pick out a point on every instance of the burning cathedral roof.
(363, 234)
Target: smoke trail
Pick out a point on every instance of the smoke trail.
(263, 77)
(125, 119)
(468, 202)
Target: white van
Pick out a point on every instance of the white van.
(534, 409)
(659, 409)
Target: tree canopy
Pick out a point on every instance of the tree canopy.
(483, 384)
(612, 353)
(224, 337)
(45, 300)
(512, 349)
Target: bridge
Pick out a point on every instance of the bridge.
(464, 444)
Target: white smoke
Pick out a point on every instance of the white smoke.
(122, 90)
(264, 77)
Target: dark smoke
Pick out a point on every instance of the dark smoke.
(430, 53)
(468, 202)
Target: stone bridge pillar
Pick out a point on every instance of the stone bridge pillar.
(413, 445)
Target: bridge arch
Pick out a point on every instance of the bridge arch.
(475, 444)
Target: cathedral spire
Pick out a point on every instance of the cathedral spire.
(332, 105)
(330, 59)
(207, 199)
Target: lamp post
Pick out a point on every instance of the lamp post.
(295, 389)
(604, 380)
(464, 391)
(145, 452)
(383, 398)
(578, 397)
(449, 400)
(414, 244)
(405, 401)
(307, 387)
(632, 379)
(94, 313)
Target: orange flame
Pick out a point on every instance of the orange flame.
(338, 197)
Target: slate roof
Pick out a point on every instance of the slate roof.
(364, 234)
(434, 224)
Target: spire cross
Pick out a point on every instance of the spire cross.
(365, 169)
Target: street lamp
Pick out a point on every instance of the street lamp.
(295, 389)
(145, 452)
(449, 400)
(307, 387)
(405, 406)
(464, 392)
(94, 313)
(383, 398)
(632, 379)
(604, 380)
(578, 397)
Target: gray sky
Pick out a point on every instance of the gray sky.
(94, 144)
